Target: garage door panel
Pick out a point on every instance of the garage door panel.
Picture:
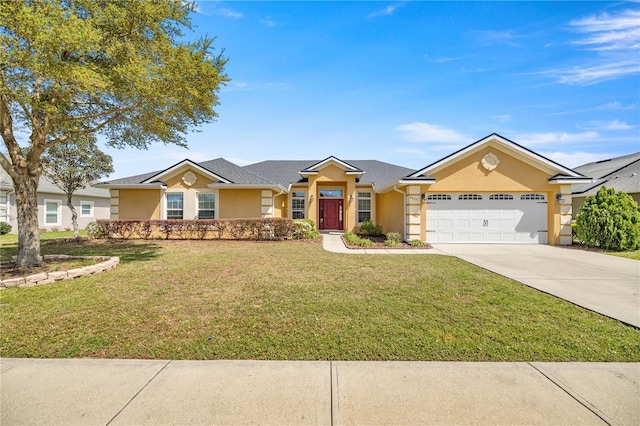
(488, 220)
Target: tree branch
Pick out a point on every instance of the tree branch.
(84, 132)
(6, 128)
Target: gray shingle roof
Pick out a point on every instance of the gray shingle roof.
(47, 187)
(219, 166)
(281, 172)
(285, 172)
(620, 173)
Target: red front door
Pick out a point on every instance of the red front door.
(331, 214)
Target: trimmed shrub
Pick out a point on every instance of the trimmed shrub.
(368, 228)
(417, 243)
(394, 236)
(303, 229)
(609, 220)
(238, 229)
(355, 240)
(5, 228)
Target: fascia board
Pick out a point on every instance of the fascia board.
(505, 143)
(184, 163)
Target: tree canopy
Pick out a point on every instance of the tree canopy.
(121, 68)
(73, 165)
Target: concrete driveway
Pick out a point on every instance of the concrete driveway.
(606, 284)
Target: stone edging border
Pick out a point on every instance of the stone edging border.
(42, 278)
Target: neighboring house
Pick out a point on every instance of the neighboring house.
(620, 173)
(493, 190)
(53, 213)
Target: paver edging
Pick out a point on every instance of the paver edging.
(105, 263)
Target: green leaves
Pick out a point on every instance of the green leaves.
(609, 220)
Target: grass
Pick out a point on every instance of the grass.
(633, 254)
(292, 300)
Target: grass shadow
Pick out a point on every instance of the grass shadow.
(127, 251)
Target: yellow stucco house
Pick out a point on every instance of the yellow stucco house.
(491, 191)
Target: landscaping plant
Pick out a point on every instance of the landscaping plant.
(609, 220)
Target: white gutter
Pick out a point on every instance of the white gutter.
(404, 205)
(130, 186)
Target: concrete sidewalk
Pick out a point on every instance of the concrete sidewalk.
(126, 392)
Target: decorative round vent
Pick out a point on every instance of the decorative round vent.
(490, 161)
(189, 178)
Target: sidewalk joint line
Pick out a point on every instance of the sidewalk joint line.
(138, 393)
(586, 404)
(331, 389)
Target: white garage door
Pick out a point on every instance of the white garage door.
(487, 218)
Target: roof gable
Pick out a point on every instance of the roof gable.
(184, 164)
(550, 167)
(348, 168)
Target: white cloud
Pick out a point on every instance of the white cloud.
(616, 41)
(608, 125)
(575, 159)
(230, 13)
(425, 132)
(413, 151)
(268, 22)
(555, 138)
(606, 32)
(502, 118)
(386, 11)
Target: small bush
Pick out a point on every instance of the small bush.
(417, 243)
(609, 220)
(394, 236)
(304, 229)
(5, 228)
(96, 230)
(391, 243)
(355, 240)
(368, 228)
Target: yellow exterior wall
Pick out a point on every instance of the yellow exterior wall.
(332, 176)
(511, 175)
(280, 206)
(139, 204)
(390, 212)
(240, 203)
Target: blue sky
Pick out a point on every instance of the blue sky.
(411, 82)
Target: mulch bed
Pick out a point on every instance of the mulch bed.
(379, 244)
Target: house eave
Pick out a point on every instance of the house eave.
(155, 185)
(219, 185)
(570, 180)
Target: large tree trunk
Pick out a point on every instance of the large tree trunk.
(74, 216)
(28, 233)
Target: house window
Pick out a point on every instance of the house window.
(86, 208)
(470, 197)
(175, 206)
(52, 212)
(364, 206)
(500, 197)
(439, 197)
(532, 197)
(297, 205)
(333, 193)
(206, 206)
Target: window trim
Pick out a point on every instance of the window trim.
(166, 204)
(58, 212)
(358, 211)
(91, 208)
(215, 205)
(302, 198)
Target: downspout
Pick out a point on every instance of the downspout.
(273, 202)
(404, 205)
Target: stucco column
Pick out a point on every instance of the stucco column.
(413, 213)
(266, 204)
(114, 208)
(565, 203)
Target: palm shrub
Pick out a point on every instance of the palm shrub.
(609, 220)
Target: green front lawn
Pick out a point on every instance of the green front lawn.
(293, 300)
